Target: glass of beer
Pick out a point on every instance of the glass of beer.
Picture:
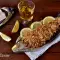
(26, 9)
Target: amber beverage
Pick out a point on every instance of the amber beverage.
(26, 10)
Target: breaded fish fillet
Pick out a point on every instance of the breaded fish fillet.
(41, 34)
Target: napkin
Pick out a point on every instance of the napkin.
(34, 55)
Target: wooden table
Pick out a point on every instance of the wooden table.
(43, 8)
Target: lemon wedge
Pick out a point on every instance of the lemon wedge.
(48, 19)
(5, 37)
(24, 31)
(14, 48)
(34, 25)
(16, 27)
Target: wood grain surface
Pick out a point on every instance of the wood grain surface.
(43, 8)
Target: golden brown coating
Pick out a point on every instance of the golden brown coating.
(41, 34)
